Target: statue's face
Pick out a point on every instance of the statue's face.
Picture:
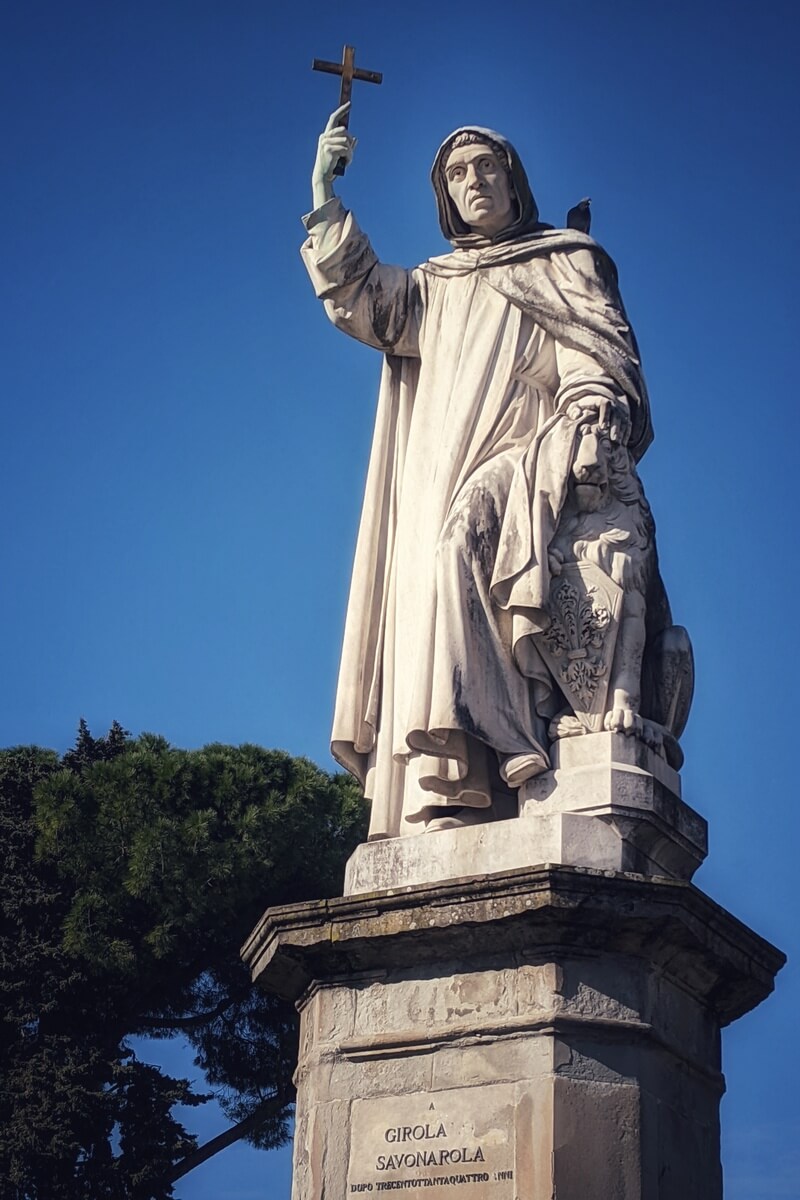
(590, 468)
(479, 187)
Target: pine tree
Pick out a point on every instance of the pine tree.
(133, 872)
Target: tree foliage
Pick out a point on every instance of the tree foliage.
(133, 872)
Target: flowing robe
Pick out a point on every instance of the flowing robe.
(485, 351)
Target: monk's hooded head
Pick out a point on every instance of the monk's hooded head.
(482, 191)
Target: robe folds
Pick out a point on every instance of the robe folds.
(485, 350)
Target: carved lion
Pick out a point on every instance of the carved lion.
(607, 525)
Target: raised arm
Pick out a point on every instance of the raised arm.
(334, 143)
(378, 304)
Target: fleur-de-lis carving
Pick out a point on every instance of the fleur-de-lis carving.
(577, 624)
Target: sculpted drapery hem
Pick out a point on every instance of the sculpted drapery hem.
(485, 349)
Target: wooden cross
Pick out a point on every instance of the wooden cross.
(348, 71)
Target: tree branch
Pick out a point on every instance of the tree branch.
(166, 1022)
(266, 1109)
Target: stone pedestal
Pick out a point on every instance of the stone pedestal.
(540, 1032)
(609, 802)
(543, 1033)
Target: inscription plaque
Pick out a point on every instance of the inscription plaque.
(452, 1145)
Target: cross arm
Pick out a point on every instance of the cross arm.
(335, 68)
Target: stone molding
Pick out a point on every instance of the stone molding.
(531, 914)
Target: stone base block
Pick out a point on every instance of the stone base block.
(609, 803)
(610, 796)
(537, 1034)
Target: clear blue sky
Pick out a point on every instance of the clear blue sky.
(185, 437)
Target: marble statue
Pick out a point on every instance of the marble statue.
(506, 590)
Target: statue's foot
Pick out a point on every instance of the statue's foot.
(454, 818)
(517, 769)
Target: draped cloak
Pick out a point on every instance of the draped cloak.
(485, 349)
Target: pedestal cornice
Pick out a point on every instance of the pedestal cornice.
(524, 913)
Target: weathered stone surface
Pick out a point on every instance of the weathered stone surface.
(610, 802)
(597, 1143)
(484, 920)
(322, 1144)
(561, 1026)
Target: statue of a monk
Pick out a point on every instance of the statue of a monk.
(499, 358)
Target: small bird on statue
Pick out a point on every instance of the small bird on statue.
(579, 217)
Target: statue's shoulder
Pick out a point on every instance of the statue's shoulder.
(569, 251)
(575, 246)
(573, 250)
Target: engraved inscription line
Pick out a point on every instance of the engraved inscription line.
(407, 1041)
(418, 1145)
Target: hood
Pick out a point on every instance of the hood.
(453, 227)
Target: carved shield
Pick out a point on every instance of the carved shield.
(585, 609)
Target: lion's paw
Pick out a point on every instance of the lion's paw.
(653, 736)
(623, 719)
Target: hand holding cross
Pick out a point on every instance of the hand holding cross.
(349, 71)
(335, 144)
